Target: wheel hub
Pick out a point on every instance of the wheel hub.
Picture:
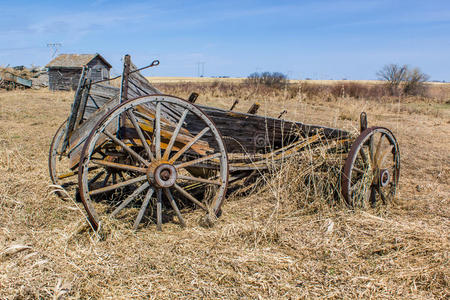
(385, 177)
(161, 174)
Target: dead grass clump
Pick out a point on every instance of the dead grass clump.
(313, 179)
(307, 183)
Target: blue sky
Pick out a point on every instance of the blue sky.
(303, 39)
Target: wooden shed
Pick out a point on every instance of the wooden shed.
(65, 70)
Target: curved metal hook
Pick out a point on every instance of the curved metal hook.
(153, 64)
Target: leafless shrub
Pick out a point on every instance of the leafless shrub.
(270, 79)
(403, 79)
(414, 82)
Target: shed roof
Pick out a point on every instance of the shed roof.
(74, 60)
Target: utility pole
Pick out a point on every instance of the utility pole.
(54, 48)
(201, 67)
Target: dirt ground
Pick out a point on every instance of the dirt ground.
(255, 250)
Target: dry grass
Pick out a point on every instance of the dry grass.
(272, 244)
(156, 79)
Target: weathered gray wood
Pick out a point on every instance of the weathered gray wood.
(79, 136)
(67, 77)
(104, 90)
(124, 84)
(99, 94)
(84, 98)
(257, 134)
(60, 79)
(71, 123)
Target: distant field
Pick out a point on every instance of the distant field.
(242, 79)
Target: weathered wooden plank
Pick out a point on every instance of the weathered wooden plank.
(84, 98)
(80, 135)
(104, 90)
(141, 81)
(88, 111)
(256, 134)
(124, 84)
(71, 123)
(95, 101)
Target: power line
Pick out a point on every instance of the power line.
(54, 47)
(201, 68)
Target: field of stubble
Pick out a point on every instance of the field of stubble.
(261, 248)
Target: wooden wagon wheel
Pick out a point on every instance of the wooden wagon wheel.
(58, 162)
(372, 169)
(154, 160)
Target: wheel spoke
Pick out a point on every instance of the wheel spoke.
(157, 133)
(96, 177)
(100, 152)
(105, 181)
(196, 161)
(174, 135)
(174, 206)
(130, 198)
(198, 179)
(117, 185)
(371, 149)
(382, 196)
(190, 197)
(358, 170)
(68, 184)
(159, 210)
(188, 145)
(125, 147)
(364, 156)
(132, 117)
(67, 175)
(72, 173)
(143, 208)
(373, 196)
(118, 166)
(383, 156)
(377, 152)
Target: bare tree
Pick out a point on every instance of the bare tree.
(403, 79)
(393, 74)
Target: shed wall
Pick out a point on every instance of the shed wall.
(99, 70)
(63, 79)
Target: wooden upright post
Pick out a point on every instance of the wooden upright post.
(124, 85)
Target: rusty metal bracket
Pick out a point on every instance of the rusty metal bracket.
(234, 104)
(153, 64)
(193, 97)
(363, 121)
(282, 114)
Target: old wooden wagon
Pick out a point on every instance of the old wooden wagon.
(136, 151)
(10, 81)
